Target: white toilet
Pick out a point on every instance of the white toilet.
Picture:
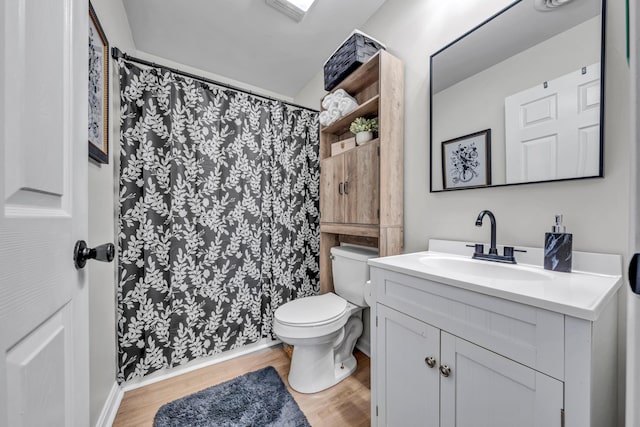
(323, 329)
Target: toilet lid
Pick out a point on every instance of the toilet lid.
(312, 310)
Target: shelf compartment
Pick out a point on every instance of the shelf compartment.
(373, 141)
(342, 124)
(361, 77)
(351, 229)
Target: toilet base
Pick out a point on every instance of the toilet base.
(344, 369)
(316, 367)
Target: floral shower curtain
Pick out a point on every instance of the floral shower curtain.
(218, 221)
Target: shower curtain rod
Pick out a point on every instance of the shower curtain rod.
(117, 53)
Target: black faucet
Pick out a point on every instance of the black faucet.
(493, 250)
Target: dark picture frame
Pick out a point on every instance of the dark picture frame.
(466, 161)
(98, 90)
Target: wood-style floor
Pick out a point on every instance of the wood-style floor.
(345, 404)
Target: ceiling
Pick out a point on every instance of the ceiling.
(519, 27)
(246, 40)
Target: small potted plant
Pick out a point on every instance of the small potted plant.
(363, 129)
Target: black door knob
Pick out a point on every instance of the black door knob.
(82, 253)
(634, 274)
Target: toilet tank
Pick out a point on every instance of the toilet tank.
(350, 271)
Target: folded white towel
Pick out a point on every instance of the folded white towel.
(324, 118)
(334, 114)
(336, 105)
(328, 101)
(347, 105)
(329, 116)
(341, 93)
(335, 97)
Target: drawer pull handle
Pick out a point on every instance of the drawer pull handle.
(340, 188)
(430, 361)
(445, 370)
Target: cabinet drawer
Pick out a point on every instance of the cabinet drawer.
(526, 334)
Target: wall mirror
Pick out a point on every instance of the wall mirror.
(518, 99)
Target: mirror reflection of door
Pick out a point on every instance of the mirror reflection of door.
(552, 130)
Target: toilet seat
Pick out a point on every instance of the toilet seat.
(312, 311)
(318, 317)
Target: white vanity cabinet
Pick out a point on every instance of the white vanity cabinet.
(457, 383)
(443, 355)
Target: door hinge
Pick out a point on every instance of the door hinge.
(561, 417)
(378, 151)
(378, 213)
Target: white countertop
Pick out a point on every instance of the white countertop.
(581, 294)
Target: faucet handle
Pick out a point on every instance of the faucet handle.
(478, 248)
(509, 250)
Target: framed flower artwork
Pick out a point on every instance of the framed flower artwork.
(466, 161)
(98, 90)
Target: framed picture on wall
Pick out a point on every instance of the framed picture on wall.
(466, 161)
(98, 90)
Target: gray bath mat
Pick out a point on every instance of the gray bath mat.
(255, 399)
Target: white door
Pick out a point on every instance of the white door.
(632, 408)
(484, 389)
(408, 389)
(553, 132)
(43, 211)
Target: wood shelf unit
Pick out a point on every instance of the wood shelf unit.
(371, 211)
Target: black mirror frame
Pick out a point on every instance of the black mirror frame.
(602, 106)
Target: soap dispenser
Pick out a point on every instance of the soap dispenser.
(558, 247)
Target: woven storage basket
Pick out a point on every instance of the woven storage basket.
(356, 50)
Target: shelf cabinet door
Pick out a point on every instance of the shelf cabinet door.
(366, 184)
(485, 389)
(408, 388)
(350, 186)
(331, 188)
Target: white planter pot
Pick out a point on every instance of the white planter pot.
(362, 137)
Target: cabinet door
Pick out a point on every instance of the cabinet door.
(331, 189)
(407, 387)
(367, 184)
(485, 389)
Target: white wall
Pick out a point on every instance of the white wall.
(215, 77)
(596, 211)
(102, 206)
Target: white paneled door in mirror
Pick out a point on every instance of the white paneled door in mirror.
(552, 130)
(43, 211)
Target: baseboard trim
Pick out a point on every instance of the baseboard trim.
(111, 405)
(164, 374)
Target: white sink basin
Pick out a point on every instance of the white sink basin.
(582, 293)
(483, 269)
